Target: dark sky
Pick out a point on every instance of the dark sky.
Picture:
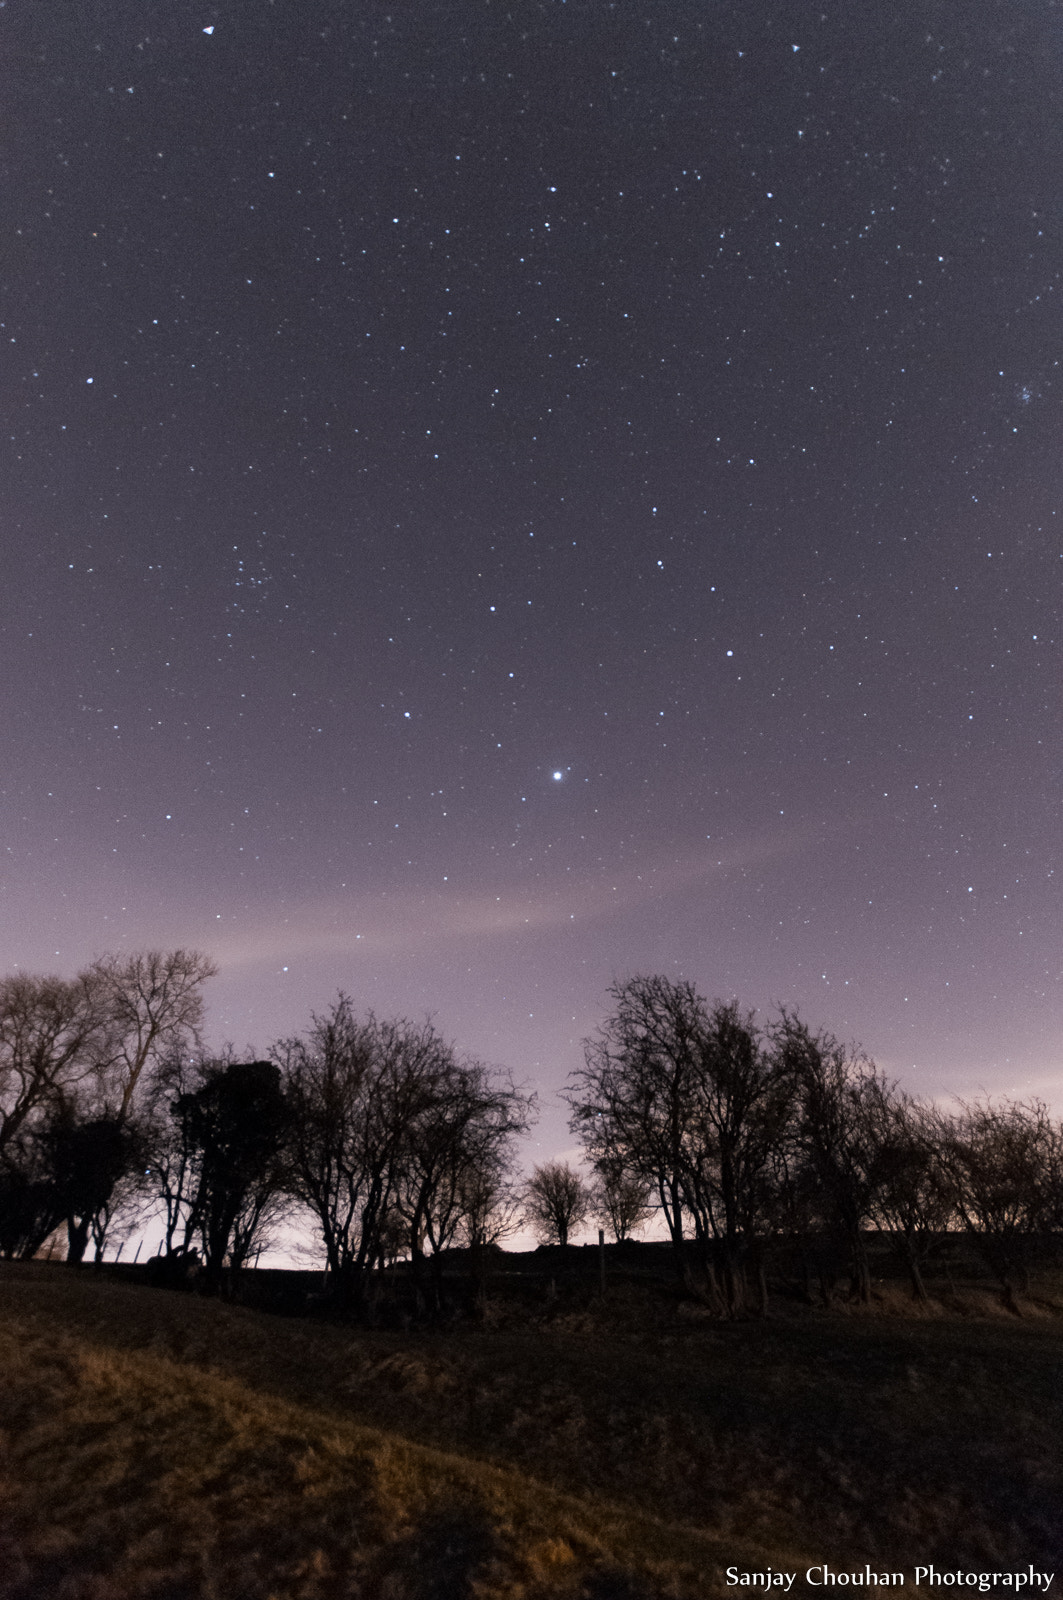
(500, 497)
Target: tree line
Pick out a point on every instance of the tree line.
(744, 1138)
(394, 1144)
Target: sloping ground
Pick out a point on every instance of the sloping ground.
(158, 1445)
(130, 1476)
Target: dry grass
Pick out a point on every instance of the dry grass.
(164, 1446)
(128, 1474)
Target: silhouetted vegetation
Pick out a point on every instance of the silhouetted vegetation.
(760, 1142)
(769, 1151)
(396, 1146)
(231, 1131)
(78, 1063)
(556, 1202)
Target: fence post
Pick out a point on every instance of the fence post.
(601, 1258)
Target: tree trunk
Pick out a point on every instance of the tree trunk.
(77, 1233)
(915, 1273)
(732, 1281)
(860, 1273)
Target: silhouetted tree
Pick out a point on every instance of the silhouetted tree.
(913, 1200)
(123, 1210)
(87, 1157)
(152, 1005)
(233, 1127)
(72, 1054)
(30, 1205)
(743, 1103)
(632, 1100)
(355, 1089)
(464, 1131)
(556, 1201)
(691, 1100)
(620, 1200)
(490, 1211)
(1001, 1161)
(169, 1155)
(52, 1035)
(838, 1134)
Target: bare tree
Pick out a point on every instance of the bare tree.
(387, 1122)
(354, 1089)
(743, 1104)
(631, 1102)
(169, 1156)
(838, 1135)
(1002, 1160)
(464, 1132)
(621, 1201)
(123, 1210)
(556, 1201)
(491, 1207)
(153, 1003)
(71, 1056)
(51, 1033)
(690, 1100)
(264, 1208)
(913, 1199)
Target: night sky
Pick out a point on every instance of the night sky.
(498, 497)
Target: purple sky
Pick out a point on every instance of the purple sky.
(497, 501)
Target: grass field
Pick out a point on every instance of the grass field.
(166, 1446)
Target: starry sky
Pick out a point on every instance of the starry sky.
(501, 497)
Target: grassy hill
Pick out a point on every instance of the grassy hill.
(158, 1446)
